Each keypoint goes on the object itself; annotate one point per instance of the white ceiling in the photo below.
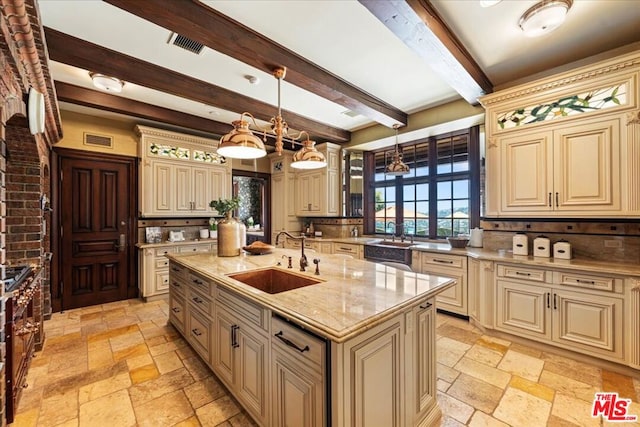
(344, 38)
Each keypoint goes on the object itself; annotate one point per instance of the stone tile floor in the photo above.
(120, 364)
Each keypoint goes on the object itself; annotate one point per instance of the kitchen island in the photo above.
(356, 348)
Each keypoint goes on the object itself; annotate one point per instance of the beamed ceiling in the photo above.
(350, 64)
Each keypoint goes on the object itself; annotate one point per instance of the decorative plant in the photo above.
(225, 205)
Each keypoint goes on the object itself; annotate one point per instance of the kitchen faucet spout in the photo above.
(303, 258)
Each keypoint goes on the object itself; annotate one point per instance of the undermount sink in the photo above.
(273, 280)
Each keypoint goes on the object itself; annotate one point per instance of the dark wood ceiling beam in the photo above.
(199, 22)
(419, 26)
(79, 53)
(116, 104)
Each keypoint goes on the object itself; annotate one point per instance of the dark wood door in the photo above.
(97, 258)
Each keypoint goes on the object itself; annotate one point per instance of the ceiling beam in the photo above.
(199, 22)
(116, 104)
(419, 26)
(79, 53)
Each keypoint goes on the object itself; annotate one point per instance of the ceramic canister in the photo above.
(475, 241)
(562, 250)
(520, 244)
(542, 247)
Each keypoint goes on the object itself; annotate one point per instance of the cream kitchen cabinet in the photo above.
(283, 187)
(180, 174)
(298, 366)
(318, 191)
(454, 299)
(573, 169)
(583, 313)
(154, 266)
(348, 249)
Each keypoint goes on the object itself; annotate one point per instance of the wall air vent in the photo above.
(186, 43)
(98, 140)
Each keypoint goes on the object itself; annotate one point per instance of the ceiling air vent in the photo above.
(98, 140)
(186, 43)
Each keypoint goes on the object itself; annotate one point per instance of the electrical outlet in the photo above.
(612, 243)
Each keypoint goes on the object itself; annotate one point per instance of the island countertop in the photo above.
(353, 295)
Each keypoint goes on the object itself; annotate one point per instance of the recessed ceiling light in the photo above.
(544, 17)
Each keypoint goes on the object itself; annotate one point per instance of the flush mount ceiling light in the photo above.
(544, 17)
(397, 166)
(106, 83)
(489, 3)
(308, 157)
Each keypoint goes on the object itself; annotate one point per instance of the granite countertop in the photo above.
(353, 296)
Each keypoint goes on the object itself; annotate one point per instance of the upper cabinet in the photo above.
(318, 190)
(180, 174)
(566, 146)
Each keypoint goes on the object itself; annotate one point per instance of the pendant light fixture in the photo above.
(241, 143)
(308, 157)
(397, 166)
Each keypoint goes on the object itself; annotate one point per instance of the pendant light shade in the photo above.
(308, 157)
(397, 166)
(241, 143)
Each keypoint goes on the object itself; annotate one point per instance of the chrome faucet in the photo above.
(303, 258)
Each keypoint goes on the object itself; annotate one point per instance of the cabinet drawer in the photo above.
(161, 281)
(161, 263)
(297, 343)
(293, 244)
(177, 312)
(200, 283)
(587, 281)
(253, 313)
(443, 260)
(178, 285)
(163, 251)
(346, 248)
(199, 335)
(522, 273)
(177, 270)
(201, 302)
(194, 248)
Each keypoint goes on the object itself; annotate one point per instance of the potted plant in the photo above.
(232, 233)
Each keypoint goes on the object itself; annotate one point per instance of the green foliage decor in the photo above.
(225, 205)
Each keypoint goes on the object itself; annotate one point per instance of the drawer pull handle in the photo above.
(198, 282)
(588, 282)
(345, 249)
(197, 300)
(290, 343)
(196, 332)
(176, 284)
(175, 310)
(234, 336)
(175, 269)
(555, 302)
(520, 273)
(425, 306)
(166, 263)
(442, 261)
(548, 300)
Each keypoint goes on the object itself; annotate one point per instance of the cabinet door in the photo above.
(316, 192)
(297, 393)
(161, 190)
(251, 379)
(183, 188)
(333, 192)
(376, 379)
(177, 312)
(425, 360)
(303, 186)
(453, 299)
(223, 350)
(587, 166)
(199, 335)
(526, 169)
(523, 309)
(278, 203)
(590, 322)
(473, 288)
(219, 184)
(201, 189)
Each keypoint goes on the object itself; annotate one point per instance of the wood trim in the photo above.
(79, 53)
(266, 221)
(206, 25)
(417, 24)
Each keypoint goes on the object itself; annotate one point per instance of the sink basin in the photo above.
(393, 244)
(273, 280)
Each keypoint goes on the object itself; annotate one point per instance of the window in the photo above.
(438, 198)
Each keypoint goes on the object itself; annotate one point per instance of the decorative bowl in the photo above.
(458, 242)
(258, 249)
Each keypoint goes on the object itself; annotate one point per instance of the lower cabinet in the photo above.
(423, 362)
(455, 298)
(539, 304)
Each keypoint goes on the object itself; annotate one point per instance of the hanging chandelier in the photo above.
(241, 143)
(397, 166)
